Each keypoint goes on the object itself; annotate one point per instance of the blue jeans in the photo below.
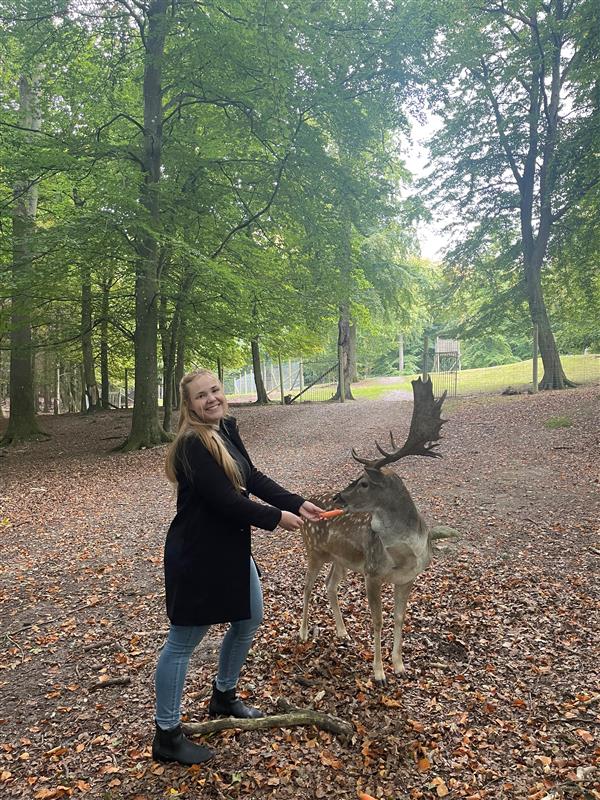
(182, 641)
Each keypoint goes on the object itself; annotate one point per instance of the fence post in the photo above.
(425, 355)
(126, 388)
(341, 371)
(282, 390)
(400, 353)
(535, 356)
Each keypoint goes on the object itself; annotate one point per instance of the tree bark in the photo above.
(180, 358)
(290, 717)
(345, 345)
(23, 424)
(90, 388)
(554, 375)
(104, 375)
(145, 428)
(262, 398)
(352, 360)
(169, 334)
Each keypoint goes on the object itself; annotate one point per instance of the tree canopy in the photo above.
(181, 181)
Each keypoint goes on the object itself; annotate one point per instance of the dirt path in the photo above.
(501, 697)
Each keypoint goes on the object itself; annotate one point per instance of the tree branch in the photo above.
(500, 123)
(291, 718)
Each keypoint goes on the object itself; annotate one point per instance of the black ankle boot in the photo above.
(227, 704)
(171, 745)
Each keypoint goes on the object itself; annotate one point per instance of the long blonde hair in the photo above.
(190, 424)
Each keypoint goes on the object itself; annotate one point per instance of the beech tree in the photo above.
(504, 78)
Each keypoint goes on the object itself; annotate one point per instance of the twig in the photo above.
(16, 644)
(290, 719)
(109, 682)
(52, 619)
(93, 646)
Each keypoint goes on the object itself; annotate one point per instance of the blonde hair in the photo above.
(190, 424)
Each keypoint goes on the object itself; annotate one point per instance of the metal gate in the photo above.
(446, 366)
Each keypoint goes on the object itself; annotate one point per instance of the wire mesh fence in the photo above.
(581, 369)
(320, 389)
(311, 381)
(287, 381)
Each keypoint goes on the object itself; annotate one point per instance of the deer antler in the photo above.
(424, 433)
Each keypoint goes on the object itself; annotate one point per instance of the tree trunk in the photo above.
(352, 364)
(104, 376)
(344, 343)
(535, 246)
(180, 359)
(262, 397)
(169, 340)
(166, 332)
(23, 424)
(145, 428)
(554, 375)
(90, 388)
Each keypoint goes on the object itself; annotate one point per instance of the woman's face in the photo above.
(207, 398)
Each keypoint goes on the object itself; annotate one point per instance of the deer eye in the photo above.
(364, 484)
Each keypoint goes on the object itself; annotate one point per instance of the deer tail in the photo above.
(443, 532)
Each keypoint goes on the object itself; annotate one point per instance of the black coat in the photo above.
(207, 551)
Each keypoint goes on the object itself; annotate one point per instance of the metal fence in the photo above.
(240, 386)
(581, 369)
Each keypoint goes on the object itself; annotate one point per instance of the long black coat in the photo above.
(207, 551)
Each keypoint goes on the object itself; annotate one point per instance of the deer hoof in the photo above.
(380, 682)
(303, 635)
(399, 669)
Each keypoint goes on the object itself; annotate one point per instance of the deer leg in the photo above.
(336, 574)
(312, 570)
(401, 593)
(374, 599)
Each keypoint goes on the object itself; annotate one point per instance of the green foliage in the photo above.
(488, 351)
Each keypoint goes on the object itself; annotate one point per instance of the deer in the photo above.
(381, 535)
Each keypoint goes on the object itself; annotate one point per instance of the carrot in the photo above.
(335, 512)
(363, 796)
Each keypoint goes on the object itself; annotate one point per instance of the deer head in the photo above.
(371, 490)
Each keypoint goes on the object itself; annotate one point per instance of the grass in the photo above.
(558, 422)
(580, 368)
(377, 392)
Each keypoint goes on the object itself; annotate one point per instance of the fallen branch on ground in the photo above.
(289, 719)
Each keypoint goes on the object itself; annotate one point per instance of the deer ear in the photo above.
(374, 475)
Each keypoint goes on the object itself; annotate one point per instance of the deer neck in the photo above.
(400, 546)
(398, 514)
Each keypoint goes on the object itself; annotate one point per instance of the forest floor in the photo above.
(501, 698)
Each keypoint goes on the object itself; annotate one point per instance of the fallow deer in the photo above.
(384, 537)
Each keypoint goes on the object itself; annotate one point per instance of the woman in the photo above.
(210, 576)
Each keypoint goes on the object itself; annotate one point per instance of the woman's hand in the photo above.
(310, 511)
(290, 522)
